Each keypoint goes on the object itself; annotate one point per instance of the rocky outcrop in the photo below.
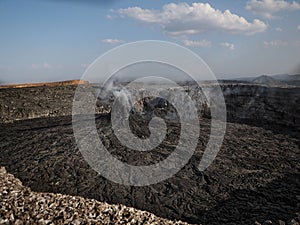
(245, 102)
(39, 102)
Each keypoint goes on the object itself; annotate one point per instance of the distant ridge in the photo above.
(48, 84)
(268, 80)
(280, 79)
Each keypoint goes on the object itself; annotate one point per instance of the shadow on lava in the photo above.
(292, 132)
(279, 200)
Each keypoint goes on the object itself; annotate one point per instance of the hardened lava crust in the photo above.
(254, 179)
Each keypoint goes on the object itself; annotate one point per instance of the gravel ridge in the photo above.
(19, 205)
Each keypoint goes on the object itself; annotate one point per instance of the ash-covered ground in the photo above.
(255, 178)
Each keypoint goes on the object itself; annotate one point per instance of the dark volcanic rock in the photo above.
(245, 103)
(263, 105)
(255, 176)
(40, 102)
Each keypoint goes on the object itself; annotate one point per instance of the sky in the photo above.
(50, 40)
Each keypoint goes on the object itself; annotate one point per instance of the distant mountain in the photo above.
(279, 79)
(268, 80)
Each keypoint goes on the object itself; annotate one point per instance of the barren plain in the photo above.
(255, 178)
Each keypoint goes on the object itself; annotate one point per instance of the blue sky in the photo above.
(48, 40)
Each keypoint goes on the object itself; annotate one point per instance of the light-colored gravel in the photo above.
(20, 205)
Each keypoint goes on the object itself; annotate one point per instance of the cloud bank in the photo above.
(275, 43)
(267, 8)
(201, 44)
(183, 19)
(112, 41)
(230, 46)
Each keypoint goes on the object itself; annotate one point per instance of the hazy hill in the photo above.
(268, 80)
(279, 79)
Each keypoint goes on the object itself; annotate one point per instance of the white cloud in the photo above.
(298, 28)
(267, 8)
(112, 41)
(184, 19)
(34, 66)
(275, 43)
(202, 44)
(228, 45)
(45, 65)
(278, 29)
